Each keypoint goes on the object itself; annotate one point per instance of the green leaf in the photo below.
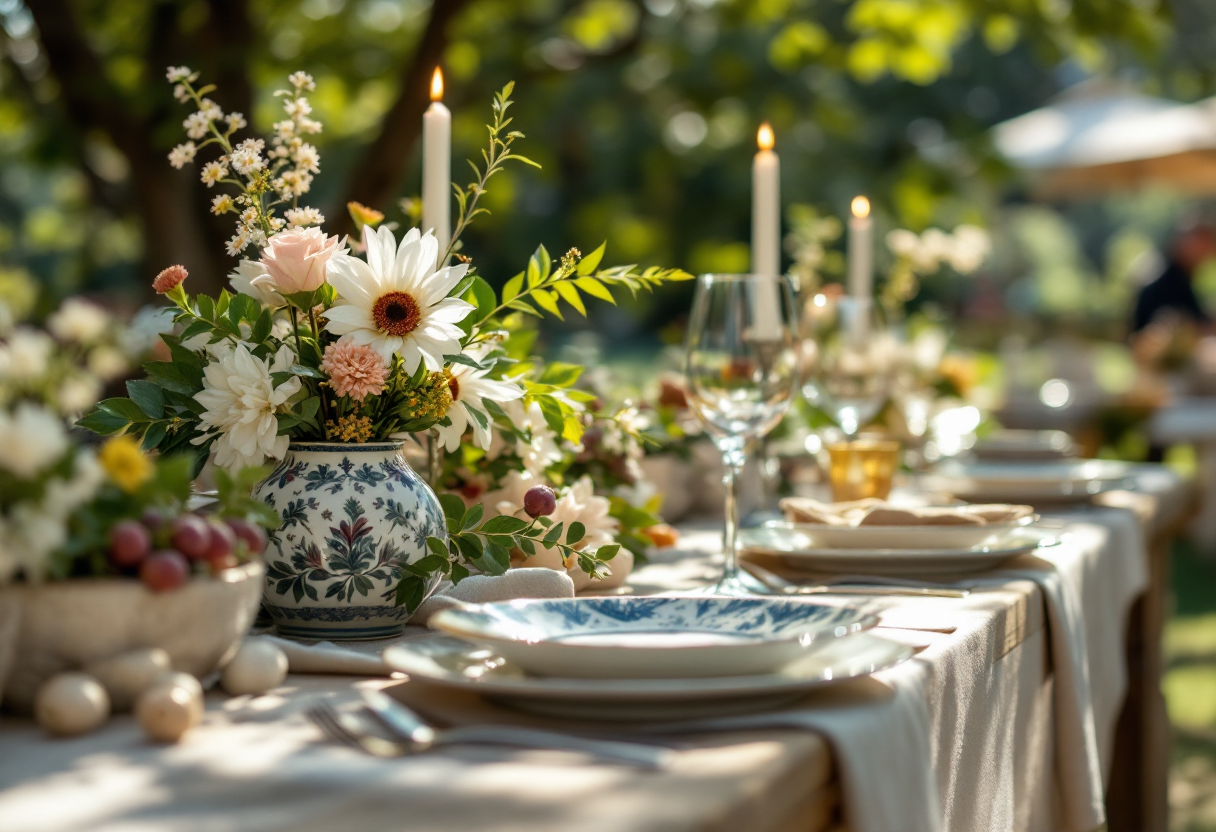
(511, 290)
(552, 536)
(102, 422)
(262, 327)
(607, 551)
(526, 545)
(546, 299)
(243, 308)
(462, 358)
(459, 573)
(411, 591)
(154, 435)
(552, 411)
(481, 295)
(575, 533)
(517, 158)
(497, 559)
(570, 295)
(125, 408)
(469, 546)
(196, 328)
(206, 307)
(453, 506)
(594, 288)
(307, 372)
(591, 262)
(461, 287)
(472, 517)
(504, 524)
(533, 272)
(148, 395)
(560, 374)
(438, 546)
(524, 306)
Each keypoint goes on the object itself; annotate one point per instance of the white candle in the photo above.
(437, 166)
(766, 233)
(766, 206)
(861, 254)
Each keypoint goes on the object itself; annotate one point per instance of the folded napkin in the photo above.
(327, 658)
(486, 589)
(873, 512)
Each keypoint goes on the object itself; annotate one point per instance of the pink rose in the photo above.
(295, 260)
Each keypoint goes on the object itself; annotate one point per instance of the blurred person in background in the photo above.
(1172, 294)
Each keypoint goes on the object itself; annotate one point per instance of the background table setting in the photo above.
(350, 552)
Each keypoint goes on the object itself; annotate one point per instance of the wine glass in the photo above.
(742, 367)
(848, 359)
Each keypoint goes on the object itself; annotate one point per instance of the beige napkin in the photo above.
(486, 589)
(879, 513)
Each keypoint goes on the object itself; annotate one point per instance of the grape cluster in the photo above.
(163, 550)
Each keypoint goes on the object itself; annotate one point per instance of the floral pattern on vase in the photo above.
(350, 514)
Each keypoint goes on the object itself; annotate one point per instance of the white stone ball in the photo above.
(129, 674)
(257, 667)
(71, 703)
(166, 711)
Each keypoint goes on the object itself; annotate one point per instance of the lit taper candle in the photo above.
(861, 254)
(766, 205)
(437, 166)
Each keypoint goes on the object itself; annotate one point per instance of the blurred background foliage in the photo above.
(643, 115)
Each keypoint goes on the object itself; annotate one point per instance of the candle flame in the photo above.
(764, 137)
(437, 85)
(861, 206)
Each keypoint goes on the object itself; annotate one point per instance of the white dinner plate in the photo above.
(822, 536)
(637, 637)
(1060, 481)
(452, 663)
(798, 552)
(1024, 445)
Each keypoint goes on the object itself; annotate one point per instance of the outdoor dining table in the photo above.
(982, 693)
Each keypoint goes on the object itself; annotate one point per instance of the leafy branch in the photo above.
(486, 546)
(495, 158)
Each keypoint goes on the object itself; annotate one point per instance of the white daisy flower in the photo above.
(242, 404)
(182, 155)
(396, 302)
(247, 157)
(222, 204)
(469, 387)
(238, 243)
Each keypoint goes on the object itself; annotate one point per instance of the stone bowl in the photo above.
(66, 625)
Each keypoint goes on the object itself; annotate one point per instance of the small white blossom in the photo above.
(285, 129)
(276, 223)
(78, 320)
(196, 125)
(182, 155)
(109, 362)
(293, 183)
(26, 357)
(177, 73)
(238, 243)
(301, 81)
(213, 172)
(249, 216)
(32, 438)
(78, 393)
(308, 125)
(181, 93)
(211, 110)
(297, 107)
(222, 204)
(235, 121)
(307, 158)
(247, 158)
(299, 217)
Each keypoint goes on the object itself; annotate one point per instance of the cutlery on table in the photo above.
(853, 585)
(413, 736)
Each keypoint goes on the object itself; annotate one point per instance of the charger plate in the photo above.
(451, 663)
(799, 552)
(1060, 481)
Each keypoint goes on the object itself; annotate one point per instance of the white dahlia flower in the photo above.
(396, 302)
(78, 320)
(242, 404)
(241, 279)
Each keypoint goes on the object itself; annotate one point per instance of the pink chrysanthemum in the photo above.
(170, 278)
(354, 370)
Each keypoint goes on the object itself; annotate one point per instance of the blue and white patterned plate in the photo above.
(651, 637)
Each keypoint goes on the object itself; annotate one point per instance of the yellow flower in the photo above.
(126, 464)
(362, 215)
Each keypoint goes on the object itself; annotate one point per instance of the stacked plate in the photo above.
(896, 550)
(1036, 482)
(646, 657)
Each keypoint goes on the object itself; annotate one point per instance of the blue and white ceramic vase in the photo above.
(350, 513)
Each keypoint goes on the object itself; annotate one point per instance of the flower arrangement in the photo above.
(317, 343)
(918, 255)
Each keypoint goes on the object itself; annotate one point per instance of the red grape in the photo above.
(540, 501)
(130, 543)
(191, 536)
(253, 535)
(223, 541)
(220, 564)
(164, 570)
(153, 519)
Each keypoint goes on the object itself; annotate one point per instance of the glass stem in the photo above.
(733, 457)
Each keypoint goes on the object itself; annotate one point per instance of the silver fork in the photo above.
(344, 728)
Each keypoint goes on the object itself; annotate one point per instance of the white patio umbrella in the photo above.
(1097, 139)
